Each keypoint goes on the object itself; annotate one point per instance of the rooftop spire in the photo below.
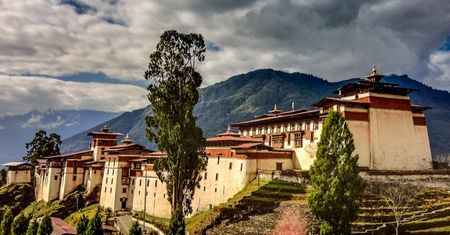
(229, 129)
(374, 76)
(275, 110)
(293, 106)
(127, 140)
(105, 129)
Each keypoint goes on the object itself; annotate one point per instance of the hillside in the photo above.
(17, 130)
(243, 96)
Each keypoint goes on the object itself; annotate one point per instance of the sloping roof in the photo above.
(331, 100)
(15, 163)
(104, 133)
(248, 145)
(232, 138)
(61, 227)
(280, 117)
(87, 152)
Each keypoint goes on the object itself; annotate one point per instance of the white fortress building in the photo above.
(389, 132)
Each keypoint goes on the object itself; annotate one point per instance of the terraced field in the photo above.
(428, 214)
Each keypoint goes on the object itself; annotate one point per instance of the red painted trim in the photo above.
(356, 116)
(389, 103)
(419, 121)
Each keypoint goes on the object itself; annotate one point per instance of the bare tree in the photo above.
(399, 198)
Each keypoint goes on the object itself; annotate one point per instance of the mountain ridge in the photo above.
(243, 96)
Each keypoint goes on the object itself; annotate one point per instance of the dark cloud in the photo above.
(79, 7)
(333, 39)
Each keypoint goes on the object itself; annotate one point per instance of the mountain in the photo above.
(17, 130)
(243, 96)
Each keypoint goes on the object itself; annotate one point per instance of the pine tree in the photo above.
(135, 229)
(19, 225)
(95, 225)
(41, 146)
(82, 225)
(32, 228)
(338, 188)
(45, 227)
(173, 93)
(5, 227)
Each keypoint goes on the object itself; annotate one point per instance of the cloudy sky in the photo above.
(77, 54)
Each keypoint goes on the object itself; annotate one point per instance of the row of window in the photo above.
(313, 125)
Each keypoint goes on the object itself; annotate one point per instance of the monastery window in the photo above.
(105, 189)
(279, 166)
(112, 171)
(56, 177)
(107, 171)
(230, 166)
(298, 138)
(124, 190)
(242, 164)
(164, 196)
(154, 194)
(156, 183)
(217, 176)
(95, 172)
(218, 159)
(277, 140)
(206, 175)
(106, 182)
(307, 126)
(140, 182)
(215, 190)
(132, 182)
(112, 181)
(139, 192)
(74, 178)
(204, 189)
(289, 138)
(110, 190)
(148, 183)
(315, 125)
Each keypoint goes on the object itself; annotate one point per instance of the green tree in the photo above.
(19, 225)
(5, 227)
(45, 227)
(41, 146)
(135, 229)
(32, 228)
(173, 93)
(2, 177)
(82, 225)
(338, 188)
(95, 224)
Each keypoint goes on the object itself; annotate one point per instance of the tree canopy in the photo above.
(45, 227)
(82, 225)
(135, 229)
(337, 186)
(173, 93)
(5, 227)
(32, 227)
(19, 225)
(95, 224)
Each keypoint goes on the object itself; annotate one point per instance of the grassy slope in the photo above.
(89, 211)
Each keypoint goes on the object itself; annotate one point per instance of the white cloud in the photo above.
(333, 39)
(20, 94)
(36, 121)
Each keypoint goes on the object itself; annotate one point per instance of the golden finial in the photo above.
(229, 129)
(374, 76)
(105, 128)
(275, 107)
(127, 140)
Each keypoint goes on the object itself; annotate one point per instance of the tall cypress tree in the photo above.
(82, 225)
(173, 93)
(45, 227)
(338, 188)
(32, 228)
(5, 227)
(19, 225)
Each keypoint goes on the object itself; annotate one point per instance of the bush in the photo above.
(326, 229)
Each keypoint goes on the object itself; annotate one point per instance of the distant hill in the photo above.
(17, 130)
(243, 96)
